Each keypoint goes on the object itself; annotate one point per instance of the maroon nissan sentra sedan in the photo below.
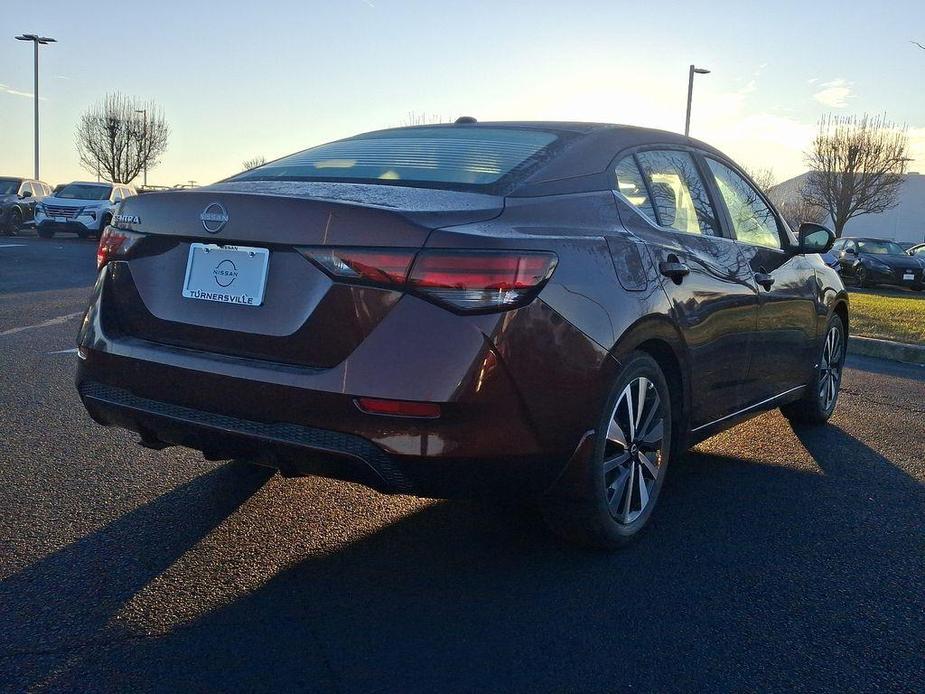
(544, 310)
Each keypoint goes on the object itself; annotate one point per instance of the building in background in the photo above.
(905, 222)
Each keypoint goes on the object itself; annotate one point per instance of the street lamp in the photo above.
(144, 142)
(36, 40)
(690, 94)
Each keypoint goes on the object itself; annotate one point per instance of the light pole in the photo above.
(36, 40)
(144, 142)
(690, 94)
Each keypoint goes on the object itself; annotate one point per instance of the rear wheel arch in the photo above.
(661, 339)
(841, 310)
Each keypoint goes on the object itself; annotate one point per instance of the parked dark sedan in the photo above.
(544, 310)
(874, 261)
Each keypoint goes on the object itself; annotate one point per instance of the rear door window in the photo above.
(678, 192)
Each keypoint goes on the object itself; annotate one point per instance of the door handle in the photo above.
(674, 269)
(764, 279)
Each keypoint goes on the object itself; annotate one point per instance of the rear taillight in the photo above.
(472, 281)
(114, 243)
(463, 281)
(383, 267)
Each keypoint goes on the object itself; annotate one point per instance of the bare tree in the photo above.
(415, 118)
(253, 162)
(120, 136)
(797, 209)
(857, 166)
(918, 44)
(763, 178)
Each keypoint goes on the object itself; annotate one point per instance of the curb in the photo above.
(886, 349)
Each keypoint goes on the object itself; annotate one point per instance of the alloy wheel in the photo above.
(830, 367)
(633, 450)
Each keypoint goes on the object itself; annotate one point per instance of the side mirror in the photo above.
(850, 251)
(815, 238)
(25, 194)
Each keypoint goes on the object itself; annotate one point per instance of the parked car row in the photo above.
(82, 208)
(870, 262)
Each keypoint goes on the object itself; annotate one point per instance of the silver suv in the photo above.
(80, 208)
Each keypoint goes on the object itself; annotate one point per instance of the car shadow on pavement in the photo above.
(63, 602)
(752, 576)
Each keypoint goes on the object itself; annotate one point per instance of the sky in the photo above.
(242, 79)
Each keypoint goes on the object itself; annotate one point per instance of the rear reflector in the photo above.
(399, 408)
(463, 281)
(114, 243)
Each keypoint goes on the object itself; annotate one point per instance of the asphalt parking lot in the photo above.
(776, 560)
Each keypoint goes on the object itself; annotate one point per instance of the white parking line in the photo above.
(12, 245)
(65, 351)
(43, 324)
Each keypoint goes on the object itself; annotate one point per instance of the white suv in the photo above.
(80, 208)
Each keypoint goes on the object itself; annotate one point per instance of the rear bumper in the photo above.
(513, 407)
(299, 450)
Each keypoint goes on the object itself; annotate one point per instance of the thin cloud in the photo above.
(4, 89)
(834, 94)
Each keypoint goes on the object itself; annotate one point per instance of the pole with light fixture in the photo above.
(144, 142)
(690, 94)
(36, 40)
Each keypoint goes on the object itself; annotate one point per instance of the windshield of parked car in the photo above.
(9, 186)
(80, 191)
(881, 247)
(453, 157)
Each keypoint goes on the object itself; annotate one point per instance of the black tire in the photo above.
(582, 513)
(84, 234)
(814, 408)
(45, 233)
(13, 223)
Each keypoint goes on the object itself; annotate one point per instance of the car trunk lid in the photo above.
(305, 317)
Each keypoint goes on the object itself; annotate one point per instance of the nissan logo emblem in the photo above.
(213, 218)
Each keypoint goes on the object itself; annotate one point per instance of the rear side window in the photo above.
(752, 219)
(632, 187)
(450, 157)
(678, 192)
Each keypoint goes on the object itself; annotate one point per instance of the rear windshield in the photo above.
(77, 191)
(451, 157)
